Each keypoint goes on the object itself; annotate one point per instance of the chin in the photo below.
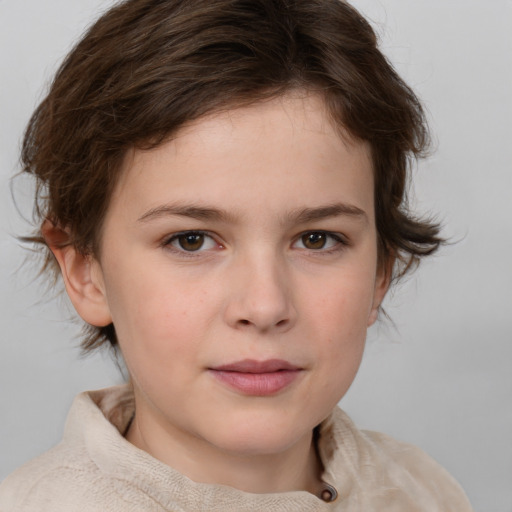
(258, 436)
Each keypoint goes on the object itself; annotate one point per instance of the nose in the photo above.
(260, 295)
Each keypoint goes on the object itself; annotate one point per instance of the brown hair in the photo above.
(148, 66)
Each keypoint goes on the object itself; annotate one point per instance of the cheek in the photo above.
(158, 318)
(344, 306)
(340, 324)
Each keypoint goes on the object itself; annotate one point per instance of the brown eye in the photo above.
(191, 241)
(324, 242)
(314, 240)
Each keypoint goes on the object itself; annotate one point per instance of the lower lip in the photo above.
(257, 384)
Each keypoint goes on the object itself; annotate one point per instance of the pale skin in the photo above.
(249, 235)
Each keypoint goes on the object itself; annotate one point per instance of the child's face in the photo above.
(249, 238)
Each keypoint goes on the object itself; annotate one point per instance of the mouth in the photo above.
(257, 378)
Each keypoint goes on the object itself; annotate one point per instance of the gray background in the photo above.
(441, 377)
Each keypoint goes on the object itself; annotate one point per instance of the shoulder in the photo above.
(57, 474)
(70, 476)
(389, 471)
(420, 470)
(63, 480)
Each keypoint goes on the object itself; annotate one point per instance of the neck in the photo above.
(297, 468)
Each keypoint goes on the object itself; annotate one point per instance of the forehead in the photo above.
(283, 152)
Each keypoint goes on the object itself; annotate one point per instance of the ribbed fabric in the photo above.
(94, 469)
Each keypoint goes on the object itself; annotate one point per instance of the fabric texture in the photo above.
(96, 469)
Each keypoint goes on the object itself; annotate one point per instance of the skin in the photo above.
(256, 289)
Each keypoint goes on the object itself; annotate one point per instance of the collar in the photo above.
(99, 419)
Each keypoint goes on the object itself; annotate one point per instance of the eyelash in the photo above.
(167, 243)
(340, 242)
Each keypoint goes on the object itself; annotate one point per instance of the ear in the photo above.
(82, 276)
(382, 282)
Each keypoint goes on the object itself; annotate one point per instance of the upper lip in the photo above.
(253, 366)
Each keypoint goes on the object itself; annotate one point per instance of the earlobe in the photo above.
(82, 277)
(382, 283)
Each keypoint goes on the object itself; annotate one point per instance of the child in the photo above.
(221, 186)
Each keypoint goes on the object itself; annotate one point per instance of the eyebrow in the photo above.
(187, 210)
(298, 216)
(306, 215)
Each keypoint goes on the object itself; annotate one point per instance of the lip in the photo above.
(257, 378)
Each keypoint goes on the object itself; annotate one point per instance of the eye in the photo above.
(319, 240)
(191, 241)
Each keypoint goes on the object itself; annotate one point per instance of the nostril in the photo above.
(281, 323)
(245, 322)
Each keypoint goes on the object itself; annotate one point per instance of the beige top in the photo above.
(95, 469)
